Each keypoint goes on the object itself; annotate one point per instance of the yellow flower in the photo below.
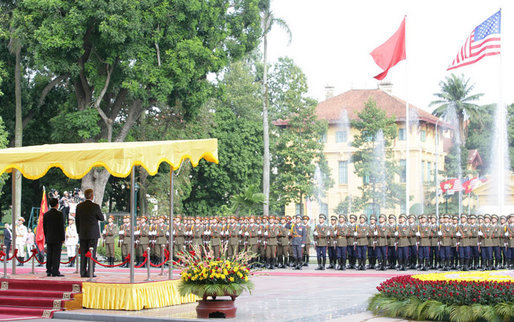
(488, 276)
(225, 272)
(223, 276)
(246, 278)
(236, 268)
(231, 279)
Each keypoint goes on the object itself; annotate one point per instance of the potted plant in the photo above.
(210, 278)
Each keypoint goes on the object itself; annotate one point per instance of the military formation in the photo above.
(483, 242)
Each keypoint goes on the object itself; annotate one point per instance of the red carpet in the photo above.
(32, 298)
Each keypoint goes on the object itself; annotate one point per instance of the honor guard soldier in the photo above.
(372, 242)
(503, 242)
(124, 234)
(463, 234)
(480, 223)
(381, 234)
(361, 237)
(308, 242)
(423, 234)
(197, 234)
(178, 236)
(321, 233)
(252, 237)
(161, 229)
(216, 238)
(352, 258)
(403, 234)
(392, 242)
(144, 240)
(283, 244)
(233, 239)
(332, 256)
(474, 255)
(509, 234)
(497, 243)
(341, 233)
(435, 258)
(413, 255)
(110, 231)
(486, 235)
(272, 242)
(446, 232)
(298, 238)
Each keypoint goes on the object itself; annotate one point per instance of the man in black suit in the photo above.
(53, 227)
(7, 239)
(88, 214)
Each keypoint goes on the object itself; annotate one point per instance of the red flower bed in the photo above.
(448, 292)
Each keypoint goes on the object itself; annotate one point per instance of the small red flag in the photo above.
(40, 234)
(391, 52)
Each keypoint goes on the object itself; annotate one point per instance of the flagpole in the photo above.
(407, 123)
(502, 136)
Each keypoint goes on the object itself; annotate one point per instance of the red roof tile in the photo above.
(353, 102)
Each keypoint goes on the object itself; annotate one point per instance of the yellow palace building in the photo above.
(426, 150)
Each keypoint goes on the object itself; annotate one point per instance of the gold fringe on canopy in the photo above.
(77, 159)
(132, 297)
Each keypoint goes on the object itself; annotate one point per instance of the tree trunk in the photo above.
(265, 128)
(18, 128)
(96, 179)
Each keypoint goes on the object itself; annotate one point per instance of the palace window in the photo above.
(343, 172)
(324, 138)
(423, 135)
(341, 136)
(401, 134)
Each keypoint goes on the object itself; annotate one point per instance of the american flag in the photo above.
(484, 41)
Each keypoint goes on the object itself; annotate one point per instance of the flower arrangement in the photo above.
(208, 276)
(433, 297)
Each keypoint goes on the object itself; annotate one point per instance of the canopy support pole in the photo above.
(172, 192)
(13, 221)
(132, 222)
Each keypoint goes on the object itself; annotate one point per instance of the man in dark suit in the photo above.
(53, 227)
(88, 214)
(7, 239)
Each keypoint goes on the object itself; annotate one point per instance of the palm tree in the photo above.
(457, 92)
(267, 22)
(247, 201)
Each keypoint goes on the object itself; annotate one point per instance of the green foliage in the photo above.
(412, 308)
(75, 126)
(295, 148)
(371, 121)
(248, 201)
(457, 92)
(202, 290)
(236, 122)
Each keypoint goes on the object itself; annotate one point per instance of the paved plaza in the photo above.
(279, 295)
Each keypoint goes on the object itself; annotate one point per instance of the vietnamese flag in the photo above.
(391, 52)
(40, 234)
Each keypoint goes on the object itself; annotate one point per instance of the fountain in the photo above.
(451, 118)
(319, 185)
(499, 168)
(344, 125)
(379, 171)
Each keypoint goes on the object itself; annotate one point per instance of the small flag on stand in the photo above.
(391, 52)
(40, 234)
(484, 40)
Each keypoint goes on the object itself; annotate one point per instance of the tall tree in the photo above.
(236, 122)
(268, 20)
(457, 92)
(125, 57)
(296, 147)
(379, 172)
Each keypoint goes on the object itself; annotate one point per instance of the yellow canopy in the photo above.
(77, 159)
